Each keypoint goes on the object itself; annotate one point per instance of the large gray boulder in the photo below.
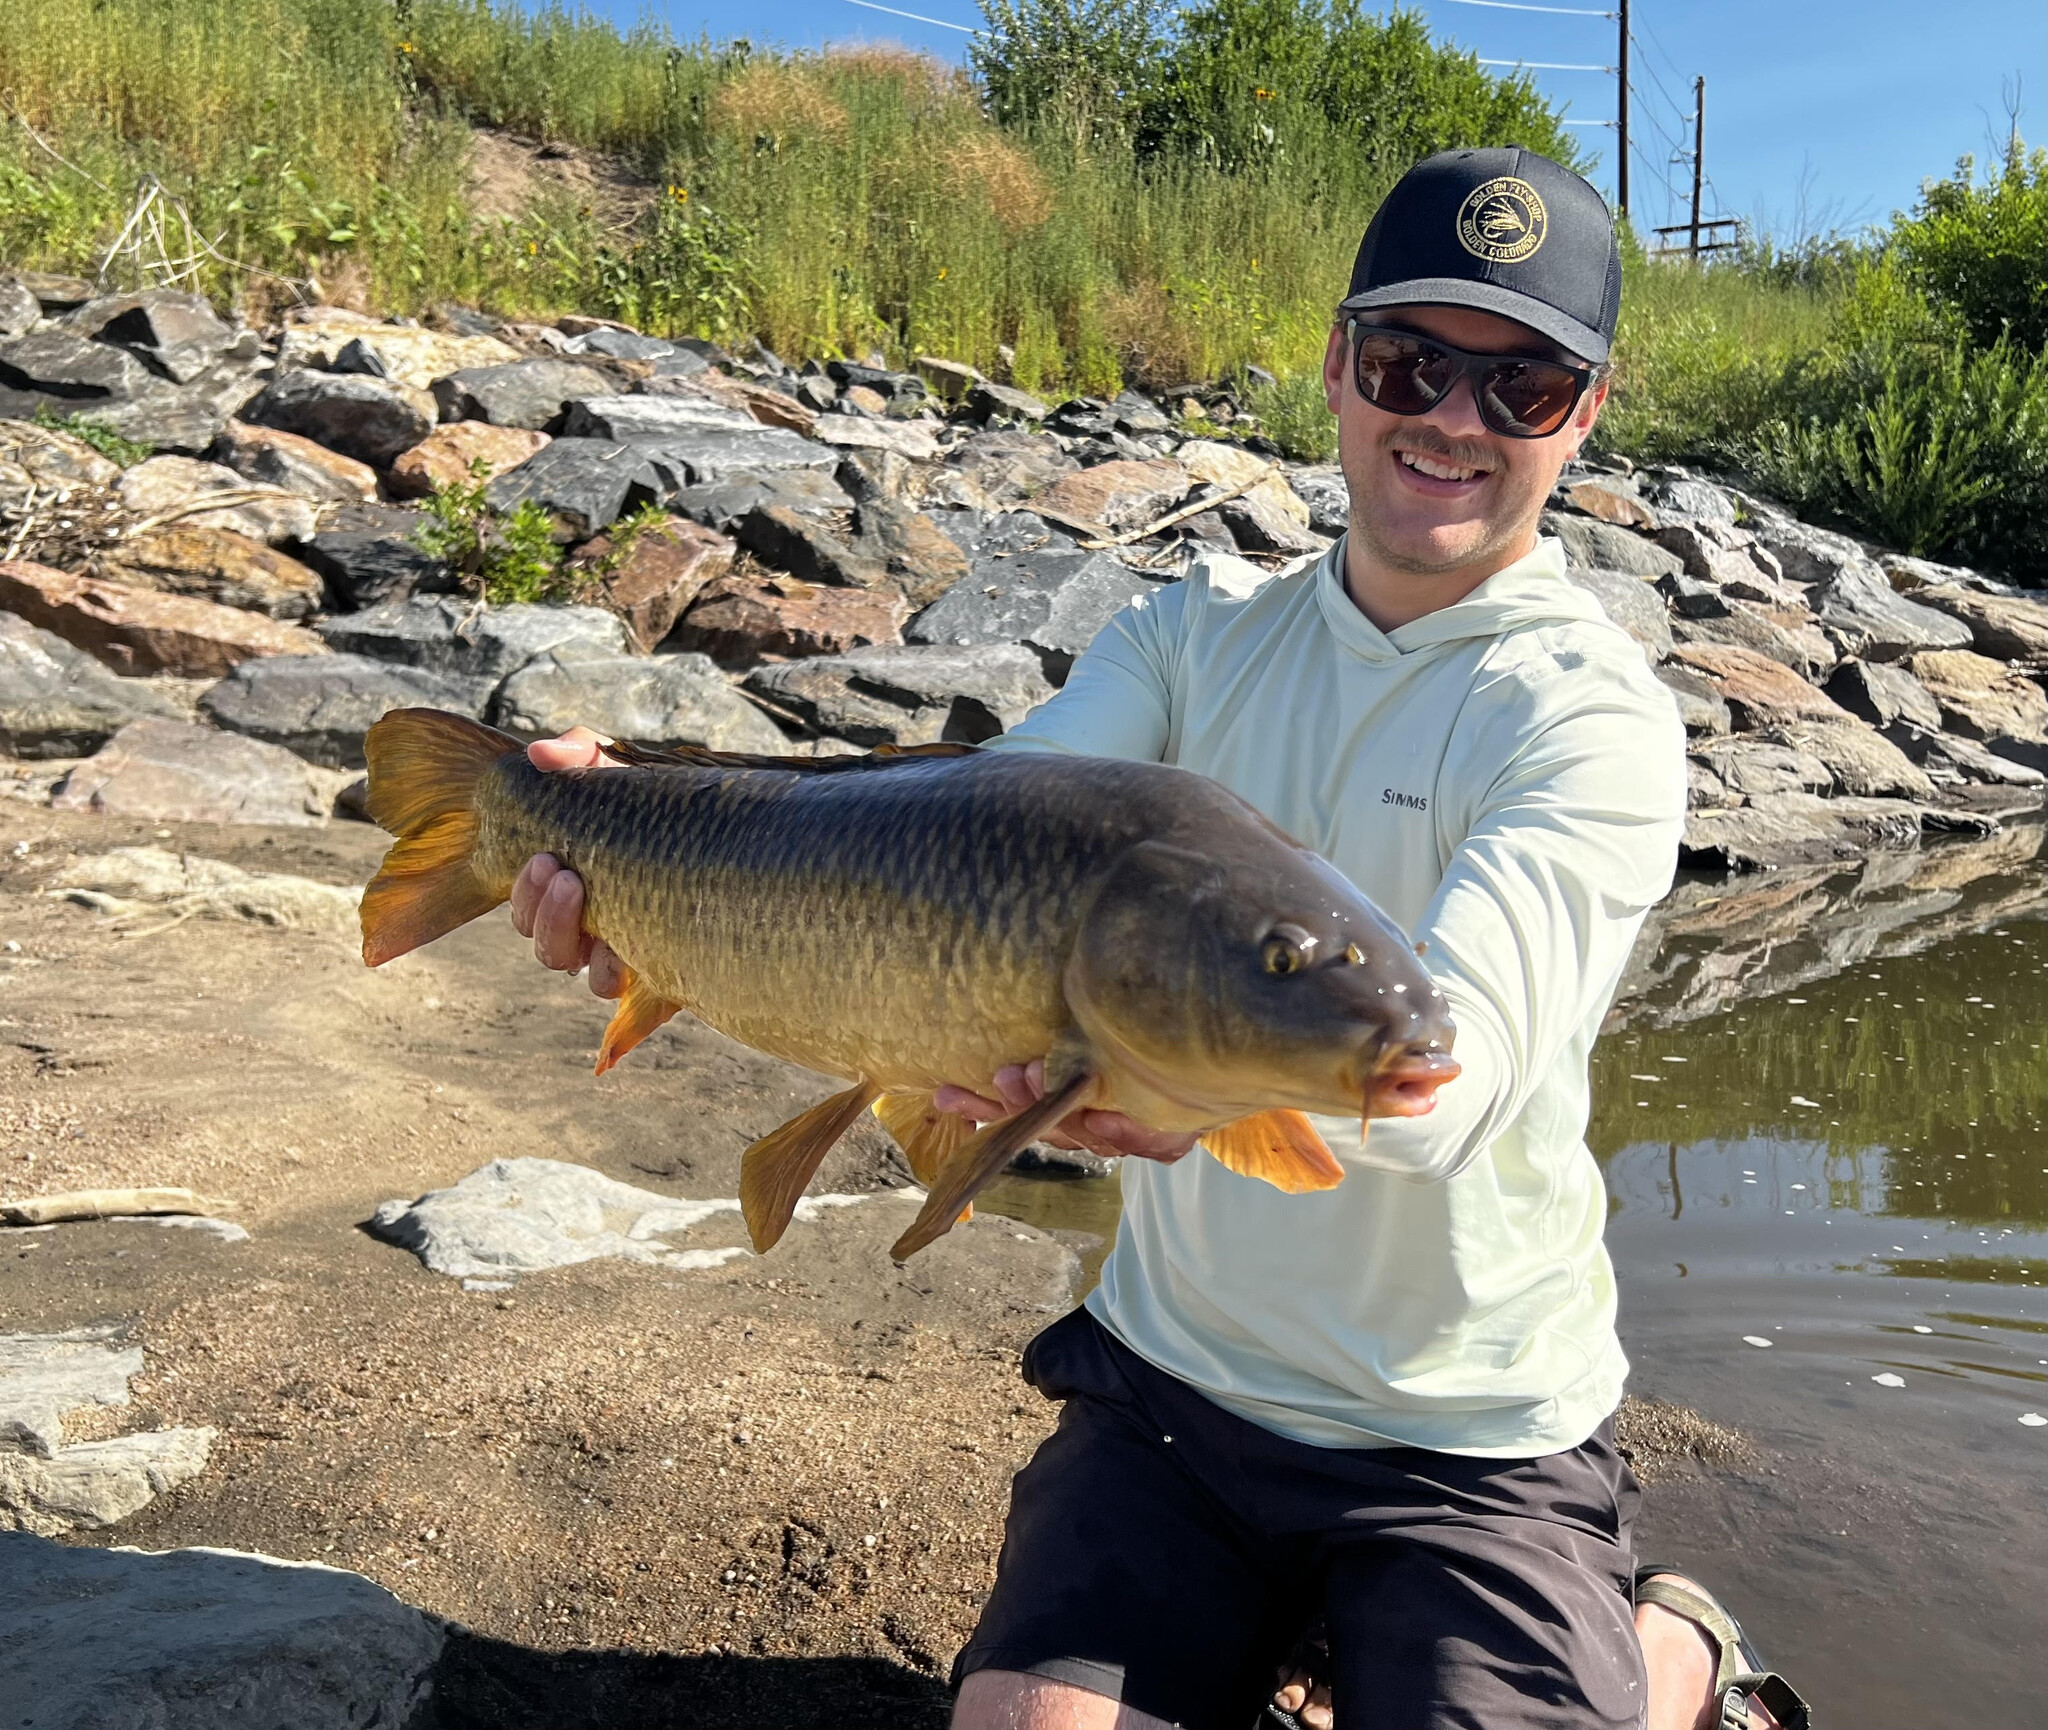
(444, 634)
(62, 372)
(657, 700)
(1866, 617)
(369, 553)
(176, 334)
(1862, 763)
(533, 394)
(1602, 546)
(1701, 708)
(638, 417)
(915, 694)
(712, 455)
(1881, 695)
(172, 772)
(58, 701)
(1327, 496)
(1052, 601)
(1633, 604)
(320, 706)
(120, 1639)
(587, 484)
(721, 504)
(373, 420)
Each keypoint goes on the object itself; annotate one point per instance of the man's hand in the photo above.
(547, 901)
(1109, 1133)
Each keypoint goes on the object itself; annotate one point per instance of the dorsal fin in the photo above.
(702, 757)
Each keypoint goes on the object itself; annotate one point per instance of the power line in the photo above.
(1514, 6)
(915, 17)
(1532, 65)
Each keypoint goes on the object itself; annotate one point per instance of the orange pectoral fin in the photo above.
(1280, 1147)
(641, 1010)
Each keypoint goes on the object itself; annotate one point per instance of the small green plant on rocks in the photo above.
(110, 444)
(503, 559)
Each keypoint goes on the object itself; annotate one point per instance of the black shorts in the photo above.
(1168, 1554)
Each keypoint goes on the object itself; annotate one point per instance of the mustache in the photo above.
(1426, 441)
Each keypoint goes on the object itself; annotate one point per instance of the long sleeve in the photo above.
(1117, 701)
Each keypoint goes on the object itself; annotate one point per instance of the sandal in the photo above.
(1311, 1658)
(1741, 1676)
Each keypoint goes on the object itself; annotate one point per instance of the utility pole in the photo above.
(1699, 156)
(1621, 117)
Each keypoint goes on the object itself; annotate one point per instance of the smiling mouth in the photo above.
(1437, 468)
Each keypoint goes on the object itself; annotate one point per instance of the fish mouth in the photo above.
(1407, 1086)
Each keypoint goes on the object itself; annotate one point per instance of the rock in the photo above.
(179, 335)
(61, 366)
(1866, 617)
(1800, 828)
(1602, 546)
(637, 417)
(586, 484)
(56, 700)
(533, 394)
(849, 432)
(910, 695)
(1690, 598)
(1790, 639)
(650, 582)
(1327, 496)
(54, 460)
(1909, 575)
(1227, 466)
(43, 1376)
(518, 1216)
(1744, 768)
(709, 457)
(1979, 698)
(55, 293)
(721, 504)
(1634, 605)
(320, 706)
(1612, 503)
(2003, 627)
(1726, 557)
(742, 619)
(989, 401)
(658, 700)
(444, 634)
(950, 379)
(859, 399)
(1862, 763)
(452, 455)
(1692, 498)
(1010, 465)
(98, 1483)
(619, 344)
(217, 565)
(369, 554)
(1881, 694)
(1952, 760)
(1805, 553)
(1700, 706)
(1270, 519)
(807, 548)
(1759, 691)
(295, 463)
(1052, 601)
(919, 557)
(169, 487)
(373, 420)
(410, 354)
(136, 631)
(852, 375)
(19, 310)
(138, 876)
(196, 1639)
(1138, 415)
(1116, 495)
(866, 474)
(761, 404)
(172, 772)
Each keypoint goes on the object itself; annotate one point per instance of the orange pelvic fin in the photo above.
(775, 1171)
(1282, 1147)
(641, 1010)
(929, 1137)
(424, 768)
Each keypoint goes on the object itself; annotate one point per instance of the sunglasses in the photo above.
(1518, 397)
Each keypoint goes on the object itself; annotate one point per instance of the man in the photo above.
(1387, 1405)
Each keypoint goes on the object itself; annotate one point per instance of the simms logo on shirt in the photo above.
(1408, 801)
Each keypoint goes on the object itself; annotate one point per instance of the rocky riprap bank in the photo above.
(846, 556)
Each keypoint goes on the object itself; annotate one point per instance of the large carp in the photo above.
(908, 920)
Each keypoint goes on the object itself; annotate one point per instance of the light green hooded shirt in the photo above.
(1505, 778)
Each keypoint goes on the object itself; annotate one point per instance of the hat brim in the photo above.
(1581, 339)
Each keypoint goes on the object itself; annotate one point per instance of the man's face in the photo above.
(1441, 491)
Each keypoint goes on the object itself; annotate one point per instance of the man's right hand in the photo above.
(547, 899)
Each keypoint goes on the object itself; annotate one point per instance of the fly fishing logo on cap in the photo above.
(1502, 220)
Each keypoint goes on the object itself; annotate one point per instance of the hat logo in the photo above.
(1502, 220)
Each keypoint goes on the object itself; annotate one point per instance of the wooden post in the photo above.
(1621, 118)
(1699, 150)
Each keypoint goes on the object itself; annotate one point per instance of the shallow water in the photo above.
(1820, 1111)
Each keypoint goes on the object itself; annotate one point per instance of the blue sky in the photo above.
(1830, 109)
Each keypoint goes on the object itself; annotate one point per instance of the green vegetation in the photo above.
(110, 444)
(500, 558)
(1120, 193)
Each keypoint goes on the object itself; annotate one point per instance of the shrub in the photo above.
(502, 559)
(1981, 251)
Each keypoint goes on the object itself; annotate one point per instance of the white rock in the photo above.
(43, 1376)
(109, 1639)
(98, 1483)
(851, 432)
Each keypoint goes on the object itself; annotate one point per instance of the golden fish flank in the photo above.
(909, 920)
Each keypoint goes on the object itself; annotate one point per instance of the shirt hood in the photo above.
(1534, 590)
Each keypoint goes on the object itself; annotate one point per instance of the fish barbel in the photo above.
(910, 920)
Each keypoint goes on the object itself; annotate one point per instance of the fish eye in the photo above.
(1286, 949)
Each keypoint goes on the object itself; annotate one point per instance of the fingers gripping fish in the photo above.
(909, 920)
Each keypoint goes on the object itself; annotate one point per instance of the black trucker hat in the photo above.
(1505, 231)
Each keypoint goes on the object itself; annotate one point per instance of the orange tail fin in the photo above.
(424, 769)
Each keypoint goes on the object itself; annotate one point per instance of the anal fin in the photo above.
(1280, 1147)
(776, 1170)
(929, 1137)
(641, 1010)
